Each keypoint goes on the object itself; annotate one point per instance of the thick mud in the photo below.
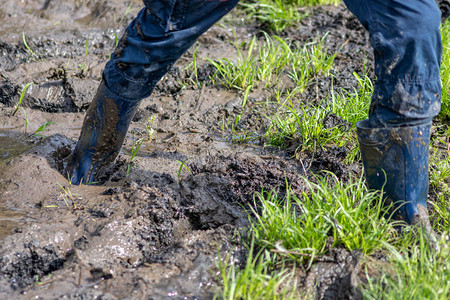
(157, 232)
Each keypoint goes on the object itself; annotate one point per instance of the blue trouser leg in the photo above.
(159, 35)
(154, 40)
(407, 48)
(394, 140)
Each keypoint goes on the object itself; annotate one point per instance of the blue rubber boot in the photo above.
(104, 128)
(396, 160)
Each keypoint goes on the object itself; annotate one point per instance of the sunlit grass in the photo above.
(445, 70)
(419, 273)
(278, 15)
(439, 170)
(313, 2)
(306, 125)
(263, 62)
(347, 212)
(310, 61)
(441, 217)
(439, 181)
(352, 106)
(300, 228)
(256, 280)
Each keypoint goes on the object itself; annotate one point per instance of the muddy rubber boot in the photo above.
(396, 160)
(104, 128)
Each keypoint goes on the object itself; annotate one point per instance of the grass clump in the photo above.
(439, 170)
(352, 106)
(445, 70)
(306, 125)
(262, 64)
(439, 175)
(310, 61)
(277, 15)
(237, 75)
(313, 2)
(265, 61)
(137, 143)
(353, 216)
(255, 280)
(441, 217)
(420, 274)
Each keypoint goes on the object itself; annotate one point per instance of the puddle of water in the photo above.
(219, 140)
(9, 220)
(225, 142)
(11, 147)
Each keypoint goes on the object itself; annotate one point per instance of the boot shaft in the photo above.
(396, 161)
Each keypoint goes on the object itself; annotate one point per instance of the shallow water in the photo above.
(9, 220)
(11, 147)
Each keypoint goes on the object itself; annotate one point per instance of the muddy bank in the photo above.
(150, 227)
(158, 231)
(149, 233)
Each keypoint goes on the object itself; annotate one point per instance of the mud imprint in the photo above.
(158, 232)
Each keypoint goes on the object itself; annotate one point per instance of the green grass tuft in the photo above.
(256, 280)
(278, 15)
(267, 60)
(347, 212)
(420, 274)
(306, 125)
(352, 106)
(445, 70)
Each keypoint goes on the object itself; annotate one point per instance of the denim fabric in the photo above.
(155, 39)
(404, 34)
(407, 46)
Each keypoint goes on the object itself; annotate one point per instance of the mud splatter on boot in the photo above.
(102, 135)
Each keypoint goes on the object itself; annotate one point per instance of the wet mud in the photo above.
(157, 231)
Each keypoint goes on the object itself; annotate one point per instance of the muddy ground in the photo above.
(158, 231)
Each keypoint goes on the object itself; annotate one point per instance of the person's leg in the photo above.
(394, 140)
(159, 35)
(154, 40)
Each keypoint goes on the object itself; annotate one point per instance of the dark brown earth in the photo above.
(156, 232)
